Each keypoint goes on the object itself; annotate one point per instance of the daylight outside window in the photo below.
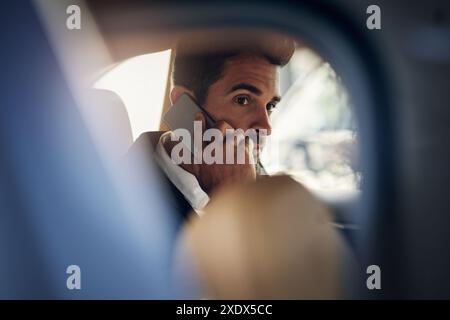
(314, 127)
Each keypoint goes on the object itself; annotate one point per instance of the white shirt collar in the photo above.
(186, 182)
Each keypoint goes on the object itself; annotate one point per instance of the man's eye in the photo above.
(270, 106)
(242, 100)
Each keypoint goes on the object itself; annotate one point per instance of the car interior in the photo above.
(351, 128)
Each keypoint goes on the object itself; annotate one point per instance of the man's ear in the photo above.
(177, 91)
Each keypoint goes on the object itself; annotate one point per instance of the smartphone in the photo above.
(182, 114)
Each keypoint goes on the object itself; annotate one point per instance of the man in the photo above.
(236, 82)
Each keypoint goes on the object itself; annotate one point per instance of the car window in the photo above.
(141, 83)
(314, 127)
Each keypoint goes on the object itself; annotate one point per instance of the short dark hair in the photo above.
(197, 71)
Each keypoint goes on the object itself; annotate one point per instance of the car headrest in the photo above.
(108, 121)
(277, 242)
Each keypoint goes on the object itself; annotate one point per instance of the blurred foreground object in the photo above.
(267, 240)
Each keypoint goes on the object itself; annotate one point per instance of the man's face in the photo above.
(246, 94)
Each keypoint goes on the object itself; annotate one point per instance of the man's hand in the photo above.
(214, 176)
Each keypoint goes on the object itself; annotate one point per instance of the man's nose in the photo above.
(262, 121)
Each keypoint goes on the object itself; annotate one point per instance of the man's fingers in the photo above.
(234, 140)
(199, 116)
(230, 135)
(222, 126)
